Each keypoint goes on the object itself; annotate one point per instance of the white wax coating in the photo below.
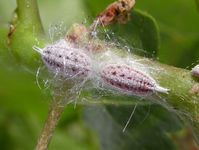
(195, 71)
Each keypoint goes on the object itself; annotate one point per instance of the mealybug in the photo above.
(129, 80)
(65, 60)
(195, 71)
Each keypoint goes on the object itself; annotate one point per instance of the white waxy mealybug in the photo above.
(129, 80)
(65, 60)
(195, 71)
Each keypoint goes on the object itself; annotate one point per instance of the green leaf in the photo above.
(145, 117)
(192, 56)
(141, 32)
(147, 129)
(178, 25)
(20, 130)
(197, 4)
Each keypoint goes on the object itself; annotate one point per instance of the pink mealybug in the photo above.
(129, 80)
(65, 60)
(195, 71)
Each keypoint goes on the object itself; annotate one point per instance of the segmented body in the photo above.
(130, 80)
(66, 61)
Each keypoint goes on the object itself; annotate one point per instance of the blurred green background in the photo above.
(24, 107)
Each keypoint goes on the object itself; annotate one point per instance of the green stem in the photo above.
(26, 31)
(28, 14)
(183, 96)
(180, 83)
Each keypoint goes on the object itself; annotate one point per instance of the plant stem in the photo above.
(26, 30)
(183, 97)
(28, 14)
(54, 116)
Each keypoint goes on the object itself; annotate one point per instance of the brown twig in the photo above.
(54, 116)
(117, 12)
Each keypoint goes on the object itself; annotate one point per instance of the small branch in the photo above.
(54, 116)
(117, 12)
